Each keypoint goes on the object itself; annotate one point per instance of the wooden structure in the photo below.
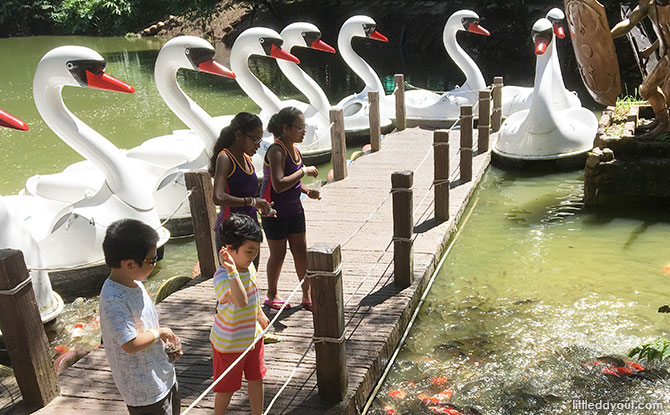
(441, 174)
(199, 183)
(354, 213)
(496, 92)
(466, 143)
(375, 121)
(338, 144)
(400, 118)
(403, 228)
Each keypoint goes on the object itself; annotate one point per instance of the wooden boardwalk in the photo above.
(356, 213)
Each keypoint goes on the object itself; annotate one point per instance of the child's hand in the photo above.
(312, 171)
(227, 260)
(165, 334)
(263, 320)
(314, 194)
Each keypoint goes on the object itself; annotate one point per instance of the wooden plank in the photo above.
(203, 214)
(338, 144)
(400, 119)
(375, 121)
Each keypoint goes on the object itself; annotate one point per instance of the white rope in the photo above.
(244, 353)
(188, 194)
(312, 274)
(317, 339)
(18, 287)
(288, 380)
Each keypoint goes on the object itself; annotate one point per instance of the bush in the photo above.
(25, 17)
(93, 16)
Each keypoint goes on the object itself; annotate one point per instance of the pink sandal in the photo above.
(276, 304)
(307, 305)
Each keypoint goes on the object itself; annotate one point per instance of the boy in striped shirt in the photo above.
(239, 317)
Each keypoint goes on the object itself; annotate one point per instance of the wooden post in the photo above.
(400, 102)
(466, 143)
(338, 144)
(328, 315)
(23, 333)
(483, 127)
(203, 214)
(496, 115)
(441, 173)
(403, 227)
(375, 121)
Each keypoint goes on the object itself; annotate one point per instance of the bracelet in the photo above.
(304, 171)
(155, 333)
(246, 201)
(233, 275)
(253, 201)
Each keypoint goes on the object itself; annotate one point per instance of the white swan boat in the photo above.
(424, 107)
(517, 98)
(163, 160)
(15, 235)
(69, 233)
(356, 106)
(267, 42)
(544, 133)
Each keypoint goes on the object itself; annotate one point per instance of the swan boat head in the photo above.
(264, 42)
(192, 53)
(556, 17)
(7, 120)
(464, 21)
(365, 27)
(305, 35)
(543, 36)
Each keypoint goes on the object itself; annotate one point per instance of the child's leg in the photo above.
(255, 389)
(221, 402)
(275, 262)
(298, 244)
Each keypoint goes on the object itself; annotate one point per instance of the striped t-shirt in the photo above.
(234, 327)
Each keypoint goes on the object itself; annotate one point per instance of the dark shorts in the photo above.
(170, 405)
(277, 229)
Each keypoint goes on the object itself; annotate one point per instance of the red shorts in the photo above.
(253, 365)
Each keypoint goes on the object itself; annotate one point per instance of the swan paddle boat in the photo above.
(517, 98)
(267, 42)
(163, 159)
(15, 235)
(68, 233)
(356, 107)
(544, 134)
(424, 107)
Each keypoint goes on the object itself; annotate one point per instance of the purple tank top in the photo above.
(287, 203)
(240, 183)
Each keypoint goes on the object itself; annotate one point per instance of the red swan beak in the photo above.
(476, 28)
(107, 82)
(10, 121)
(378, 36)
(559, 31)
(321, 45)
(281, 53)
(541, 45)
(215, 68)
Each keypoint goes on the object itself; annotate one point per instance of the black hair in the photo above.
(237, 228)
(286, 116)
(128, 239)
(244, 122)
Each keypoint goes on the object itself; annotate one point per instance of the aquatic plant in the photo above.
(658, 349)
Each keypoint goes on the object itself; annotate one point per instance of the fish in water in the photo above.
(612, 365)
(450, 409)
(67, 359)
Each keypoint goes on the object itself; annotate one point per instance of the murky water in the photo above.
(535, 287)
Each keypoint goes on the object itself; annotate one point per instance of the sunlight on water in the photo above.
(534, 288)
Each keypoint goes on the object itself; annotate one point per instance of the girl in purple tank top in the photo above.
(282, 173)
(235, 180)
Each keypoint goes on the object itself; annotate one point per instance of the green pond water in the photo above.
(534, 287)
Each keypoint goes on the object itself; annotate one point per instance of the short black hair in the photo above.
(285, 116)
(128, 239)
(237, 228)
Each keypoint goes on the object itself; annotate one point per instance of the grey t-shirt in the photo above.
(147, 376)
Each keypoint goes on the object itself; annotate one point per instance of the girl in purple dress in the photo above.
(282, 173)
(235, 180)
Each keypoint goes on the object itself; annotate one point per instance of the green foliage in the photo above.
(25, 17)
(92, 16)
(658, 349)
(623, 106)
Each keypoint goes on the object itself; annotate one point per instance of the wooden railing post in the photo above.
(496, 115)
(400, 122)
(403, 227)
(441, 173)
(483, 126)
(338, 144)
(466, 143)
(325, 273)
(375, 121)
(23, 333)
(203, 214)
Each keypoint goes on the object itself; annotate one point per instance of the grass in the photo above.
(623, 106)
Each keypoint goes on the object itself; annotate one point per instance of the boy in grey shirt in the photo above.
(132, 336)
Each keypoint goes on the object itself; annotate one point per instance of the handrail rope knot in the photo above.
(18, 287)
(314, 273)
(318, 339)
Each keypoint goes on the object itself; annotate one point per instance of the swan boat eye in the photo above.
(467, 21)
(368, 28)
(78, 69)
(311, 37)
(268, 42)
(199, 55)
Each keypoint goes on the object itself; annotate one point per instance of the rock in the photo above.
(594, 158)
(608, 155)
